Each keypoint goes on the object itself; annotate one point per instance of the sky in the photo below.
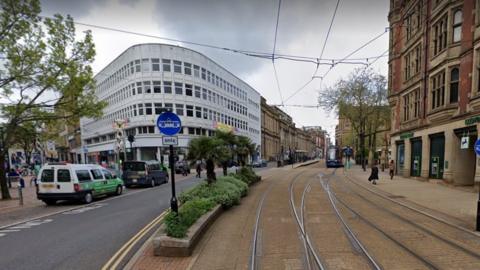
(246, 25)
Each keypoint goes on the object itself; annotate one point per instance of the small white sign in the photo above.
(464, 142)
(170, 140)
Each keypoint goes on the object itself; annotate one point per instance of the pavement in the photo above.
(227, 243)
(456, 204)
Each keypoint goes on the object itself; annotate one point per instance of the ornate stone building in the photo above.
(434, 88)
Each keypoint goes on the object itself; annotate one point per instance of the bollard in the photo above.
(20, 194)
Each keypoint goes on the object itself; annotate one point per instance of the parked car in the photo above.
(61, 181)
(143, 173)
(259, 163)
(181, 165)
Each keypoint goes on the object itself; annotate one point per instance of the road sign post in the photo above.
(169, 124)
(477, 151)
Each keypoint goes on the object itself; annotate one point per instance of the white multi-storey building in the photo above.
(147, 78)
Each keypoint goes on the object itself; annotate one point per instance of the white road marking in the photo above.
(7, 231)
(84, 209)
(2, 234)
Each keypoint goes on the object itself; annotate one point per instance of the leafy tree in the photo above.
(46, 74)
(244, 148)
(229, 141)
(362, 99)
(210, 149)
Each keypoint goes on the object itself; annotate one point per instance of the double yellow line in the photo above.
(123, 251)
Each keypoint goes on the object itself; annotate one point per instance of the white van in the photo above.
(62, 181)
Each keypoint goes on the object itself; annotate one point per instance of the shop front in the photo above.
(416, 158)
(400, 157)
(437, 155)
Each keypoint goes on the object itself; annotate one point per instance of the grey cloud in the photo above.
(76, 8)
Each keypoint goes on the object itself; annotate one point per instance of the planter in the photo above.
(167, 246)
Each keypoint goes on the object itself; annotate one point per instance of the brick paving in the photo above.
(457, 204)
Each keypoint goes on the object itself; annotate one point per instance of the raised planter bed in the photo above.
(167, 246)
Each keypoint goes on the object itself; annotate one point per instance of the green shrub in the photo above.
(177, 225)
(247, 175)
(238, 183)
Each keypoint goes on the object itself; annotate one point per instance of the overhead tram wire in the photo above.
(334, 64)
(273, 52)
(257, 54)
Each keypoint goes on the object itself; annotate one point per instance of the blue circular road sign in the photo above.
(477, 147)
(169, 123)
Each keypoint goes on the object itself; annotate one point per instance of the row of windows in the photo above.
(440, 31)
(438, 94)
(154, 64)
(180, 109)
(412, 62)
(177, 88)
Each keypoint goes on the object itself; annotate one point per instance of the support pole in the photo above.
(173, 201)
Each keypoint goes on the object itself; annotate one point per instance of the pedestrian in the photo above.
(10, 175)
(199, 170)
(184, 169)
(391, 167)
(374, 174)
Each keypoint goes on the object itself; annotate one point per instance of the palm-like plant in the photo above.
(229, 141)
(244, 148)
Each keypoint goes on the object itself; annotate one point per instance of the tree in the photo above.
(210, 149)
(361, 98)
(229, 141)
(244, 148)
(46, 74)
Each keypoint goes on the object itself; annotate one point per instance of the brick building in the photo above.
(434, 88)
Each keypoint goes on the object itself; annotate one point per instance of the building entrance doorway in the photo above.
(400, 157)
(465, 157)
(437, 155)
(416, 159)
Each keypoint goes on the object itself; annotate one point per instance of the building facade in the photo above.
(147, 79)
(434, 88)
(270, 132)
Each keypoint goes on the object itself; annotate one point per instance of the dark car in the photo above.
(143, 173)
(259, 163)
(182, 165)
(334, 163)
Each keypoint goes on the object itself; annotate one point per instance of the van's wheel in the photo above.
(87, 198)
(119, 190)
(152, 184)
(50, 201)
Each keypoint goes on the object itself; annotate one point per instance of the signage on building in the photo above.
(170, 140)
(464, 142)
(406, 135)
(473, 120)
(169, 123)
(223, 127)
(119, 124)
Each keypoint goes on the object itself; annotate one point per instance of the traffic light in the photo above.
(131, 138)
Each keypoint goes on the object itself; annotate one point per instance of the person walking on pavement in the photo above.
(199, 170)
(184, 169)
(10, 175)
(391, 167)
(374, 174)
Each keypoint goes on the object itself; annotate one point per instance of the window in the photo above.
(155, 64)
(146, 88)
(191, 131)
(158, 108)
(188, 90)
(63, 176)
(177, 66)
(157, 87)
(145, 65)
(134, 110)
(457, 25)
(204, 93)
(47, 175)
(412, 62)
(179, 109)
(187, 68)
(196, 71)
(197, 92)
(148, 108)
(440, 35)
(167, 87)
(83, 175)
(438, 90)
(208, 76)
(205, 113)
(204, 74)
(97, 174)
(151, 129)
(209, 95)
(107, 174)
(178, 88)
(140, 109)
(198, 112)
(132, 67)
(189, 111)
(169, 107)
(454, 78)
(166, 65)
(139, 88)
(137, 66)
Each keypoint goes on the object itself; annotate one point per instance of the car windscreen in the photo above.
(134, 166)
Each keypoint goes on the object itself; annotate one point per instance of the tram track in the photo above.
(431, 248)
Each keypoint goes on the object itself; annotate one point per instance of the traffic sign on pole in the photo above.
(169, 123)
(477, 147)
